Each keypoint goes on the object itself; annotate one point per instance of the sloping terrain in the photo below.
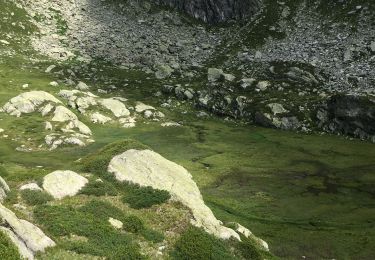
(111, 147)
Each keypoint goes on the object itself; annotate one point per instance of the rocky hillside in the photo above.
(129, 129)
(215, 11)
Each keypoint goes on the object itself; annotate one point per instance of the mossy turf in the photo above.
(8, 250)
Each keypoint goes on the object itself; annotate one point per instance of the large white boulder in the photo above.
(148, 168)
(28, 102)
(34, 238)
(63, 183)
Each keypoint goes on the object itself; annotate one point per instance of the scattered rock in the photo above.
(28, 102)
(63, 183)
(99, 118)
(115, 223)
(277, 108)
(263, 85)
(82, 86)
(30, 186)
(50, 68)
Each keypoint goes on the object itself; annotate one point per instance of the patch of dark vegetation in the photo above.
(248, 249)
(144, 197)
(97, 162)
(7, 249)
(152, 235)
(89, 221)
(133, 224)
(196, 244)
(99, 188)
(35, 197)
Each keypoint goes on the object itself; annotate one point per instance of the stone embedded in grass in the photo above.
(63, 183)
(141, 107)
(115, 223)
(115, 106)
(82, 86)
(54, 84)
(147, 168)
(98, 118)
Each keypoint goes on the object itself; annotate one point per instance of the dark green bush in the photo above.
(250, 250)
(196, 244)
(98, 188)
(7, 249)
(133, 224)
(97, 162)
(144, 197)
(152, 235)
(35, 197)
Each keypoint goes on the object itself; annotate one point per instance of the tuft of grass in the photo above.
(34, 197)
(145, 197)
(196, 244)
(97, 162)
(8, 250)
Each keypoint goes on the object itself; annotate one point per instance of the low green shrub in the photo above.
(98, 161)
(195, 243)
(132, 224)
(98, 188)
(248, 249)
(145, 197)
(89, 221)
(12, 197)
(152, 235)
(8, 250)
(35, 197)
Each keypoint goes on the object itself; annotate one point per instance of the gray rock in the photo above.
(215, 11)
